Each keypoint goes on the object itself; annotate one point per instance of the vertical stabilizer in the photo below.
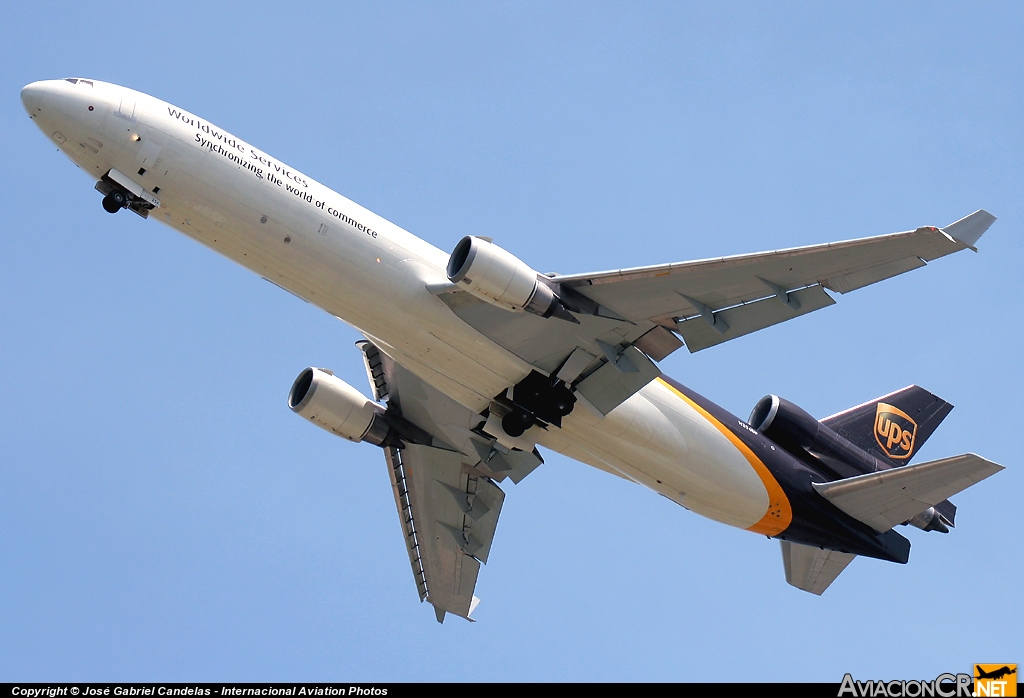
(893, 427)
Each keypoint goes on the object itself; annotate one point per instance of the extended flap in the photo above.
(699, 334)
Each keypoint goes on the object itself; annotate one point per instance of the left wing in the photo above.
(446, 493)
(712, 301)
(624, 319)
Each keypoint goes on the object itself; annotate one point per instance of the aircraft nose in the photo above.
(32, 96)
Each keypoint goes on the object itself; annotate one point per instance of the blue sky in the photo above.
(167, 518)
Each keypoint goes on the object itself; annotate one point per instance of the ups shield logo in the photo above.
(894, 431)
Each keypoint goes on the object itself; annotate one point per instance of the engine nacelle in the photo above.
(929, 520)
(792, 428)
(500, 278)
(334, 405)
(783, 422)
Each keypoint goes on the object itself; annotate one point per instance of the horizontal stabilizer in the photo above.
(890, 497)
(812, 569)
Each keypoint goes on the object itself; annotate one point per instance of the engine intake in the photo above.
(795, 430)
(334, 405)
(500, 278)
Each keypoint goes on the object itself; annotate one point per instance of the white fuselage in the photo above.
(310, 240)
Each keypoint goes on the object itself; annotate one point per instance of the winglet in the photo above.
(969, 229)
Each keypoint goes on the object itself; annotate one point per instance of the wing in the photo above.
(445, 486)
(715, 300)
(630, 316)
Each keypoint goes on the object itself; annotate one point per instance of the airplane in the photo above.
(995, 674)
(475, 360)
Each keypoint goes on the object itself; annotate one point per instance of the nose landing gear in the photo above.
(116, 196)
(115, 201)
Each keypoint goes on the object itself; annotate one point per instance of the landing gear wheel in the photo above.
(114, 201)
(564, 401)
(516, 423)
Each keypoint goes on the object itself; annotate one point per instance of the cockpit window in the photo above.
(85, 82)
(79, 81)
(72, 80)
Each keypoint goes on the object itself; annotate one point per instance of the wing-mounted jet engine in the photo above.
(337, 407)
(498, 277)
(444, 474)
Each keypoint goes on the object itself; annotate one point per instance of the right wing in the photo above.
(445, 486)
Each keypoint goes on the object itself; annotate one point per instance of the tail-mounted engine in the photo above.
(497, 276)
(796, 431)
(801, 435)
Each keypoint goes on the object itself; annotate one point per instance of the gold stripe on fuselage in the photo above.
(779, 514)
